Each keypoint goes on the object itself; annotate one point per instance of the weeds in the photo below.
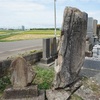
(4, 82)
(44, 77)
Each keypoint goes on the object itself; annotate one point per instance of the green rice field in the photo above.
(15, 35)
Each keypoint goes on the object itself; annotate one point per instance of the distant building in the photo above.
(23, 27)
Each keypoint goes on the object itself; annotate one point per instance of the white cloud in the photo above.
(36, 13)
(90, 0)
(95, 15)
(19, 12)
(21, 6)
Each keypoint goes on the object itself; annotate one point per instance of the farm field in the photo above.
(16, 35)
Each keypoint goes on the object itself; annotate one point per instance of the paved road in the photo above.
(8, 49)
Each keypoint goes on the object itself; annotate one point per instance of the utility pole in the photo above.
(55, 17)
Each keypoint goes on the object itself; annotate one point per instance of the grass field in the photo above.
(15, 35)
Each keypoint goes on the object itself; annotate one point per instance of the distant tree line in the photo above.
(44, 28)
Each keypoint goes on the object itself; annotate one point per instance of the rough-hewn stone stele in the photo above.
(21, 73)
(71, 49)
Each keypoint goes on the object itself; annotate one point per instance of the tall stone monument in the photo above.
(71, 51)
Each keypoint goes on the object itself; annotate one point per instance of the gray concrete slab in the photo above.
(89, 72)
(92, 63)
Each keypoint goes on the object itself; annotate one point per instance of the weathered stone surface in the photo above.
(40, 97)
(71, 49)
(21, 73)
(87, 94)
(26, 92)
(57, 95)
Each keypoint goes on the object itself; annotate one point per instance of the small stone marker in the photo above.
(46, 51)
(22, 76)
(46, 48)
(21, 73)
(71, 54)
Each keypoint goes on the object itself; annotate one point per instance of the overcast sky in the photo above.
(40, 13)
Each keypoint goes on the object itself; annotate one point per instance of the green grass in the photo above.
(10, 33)
(44, 32)
(44, 77)
(4, 82)
(3, 36)
(7, 31)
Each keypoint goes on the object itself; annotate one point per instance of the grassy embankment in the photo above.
(15, 35)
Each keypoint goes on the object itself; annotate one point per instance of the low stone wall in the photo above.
(31, 58)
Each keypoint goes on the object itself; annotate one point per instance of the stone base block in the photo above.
(47, 60)
(41, 96)
(88, 54)
(27, 92)
(57, 95)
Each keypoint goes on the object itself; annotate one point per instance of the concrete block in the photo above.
(27, 92)
(41, 96)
